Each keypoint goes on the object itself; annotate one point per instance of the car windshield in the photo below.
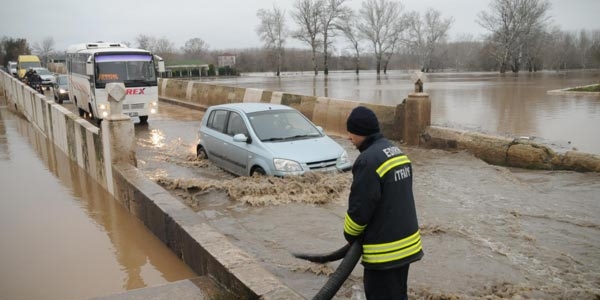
(62, 80)
(282, 125)
(30, 64)
(133, 69)
(43, 72)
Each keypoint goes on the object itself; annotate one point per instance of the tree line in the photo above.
(520, 37)
(382, 35)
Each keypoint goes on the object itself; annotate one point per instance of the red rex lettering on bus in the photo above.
(138, 91)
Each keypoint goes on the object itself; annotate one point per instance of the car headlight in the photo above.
(343, 158)
(286, 165)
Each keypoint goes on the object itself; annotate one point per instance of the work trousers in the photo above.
(388, 284)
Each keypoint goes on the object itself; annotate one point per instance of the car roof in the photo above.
(252, 107)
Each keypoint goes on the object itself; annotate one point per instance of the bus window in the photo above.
(131, 69)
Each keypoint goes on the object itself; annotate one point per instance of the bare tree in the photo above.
(381, 24)
(531, 50)
(463, 53)
(333, 11)
(425, 34)
(307, 14)
(584, 44)
(161, 46)
(273, 33)
(595, 47)
(194, 48)
(146, 42)
(44, 49)
(165, 48)
(510, 23)
(349, 28)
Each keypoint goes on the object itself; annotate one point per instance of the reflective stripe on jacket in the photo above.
(381, 209)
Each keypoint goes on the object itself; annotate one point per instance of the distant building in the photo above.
(226, 60)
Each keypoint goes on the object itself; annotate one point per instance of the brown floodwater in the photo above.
(489, 232)
(62, 235)
(511, 105)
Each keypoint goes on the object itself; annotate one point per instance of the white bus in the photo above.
(91, 66)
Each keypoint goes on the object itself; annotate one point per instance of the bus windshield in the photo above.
(30, 64)
(133, 69)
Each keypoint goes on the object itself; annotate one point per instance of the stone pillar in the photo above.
(417, 117)
(117, 128)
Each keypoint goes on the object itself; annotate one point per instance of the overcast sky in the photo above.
(223, 24)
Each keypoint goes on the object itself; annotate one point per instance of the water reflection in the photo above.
(157, 138)
(91, 245)
(506, 104)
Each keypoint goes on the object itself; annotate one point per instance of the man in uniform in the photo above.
(381, 209)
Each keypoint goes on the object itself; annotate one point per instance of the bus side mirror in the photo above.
(89, 68)
(160, 68)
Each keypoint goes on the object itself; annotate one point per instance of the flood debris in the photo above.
(311, 188)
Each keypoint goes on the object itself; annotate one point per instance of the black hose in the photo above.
(323, 258)
(342, 272)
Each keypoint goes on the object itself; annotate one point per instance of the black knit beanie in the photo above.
(362, 121)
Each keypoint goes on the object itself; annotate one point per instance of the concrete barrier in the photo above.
(77, 138)
(200, 246)
(396, 122)
(521, 153)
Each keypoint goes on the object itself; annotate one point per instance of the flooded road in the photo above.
(488, 232)
(63, 236)
(513, 105)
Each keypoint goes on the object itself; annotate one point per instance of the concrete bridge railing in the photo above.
(396, 122)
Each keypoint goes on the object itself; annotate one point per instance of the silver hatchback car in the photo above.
(266, 139)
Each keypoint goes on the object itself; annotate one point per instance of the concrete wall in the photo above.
(77, 138)
(201, 247)
(331, 114)
(521, 153)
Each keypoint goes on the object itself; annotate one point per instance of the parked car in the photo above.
(60, 88)
(266, 139)
(12, 68)
(48, 78)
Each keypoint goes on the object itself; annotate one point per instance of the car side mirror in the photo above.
(241, 138)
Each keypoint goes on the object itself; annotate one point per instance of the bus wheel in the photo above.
(143, 120)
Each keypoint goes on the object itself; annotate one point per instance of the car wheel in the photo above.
(143, 120)
(60, 101)
(201, 152)
(258, 171)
